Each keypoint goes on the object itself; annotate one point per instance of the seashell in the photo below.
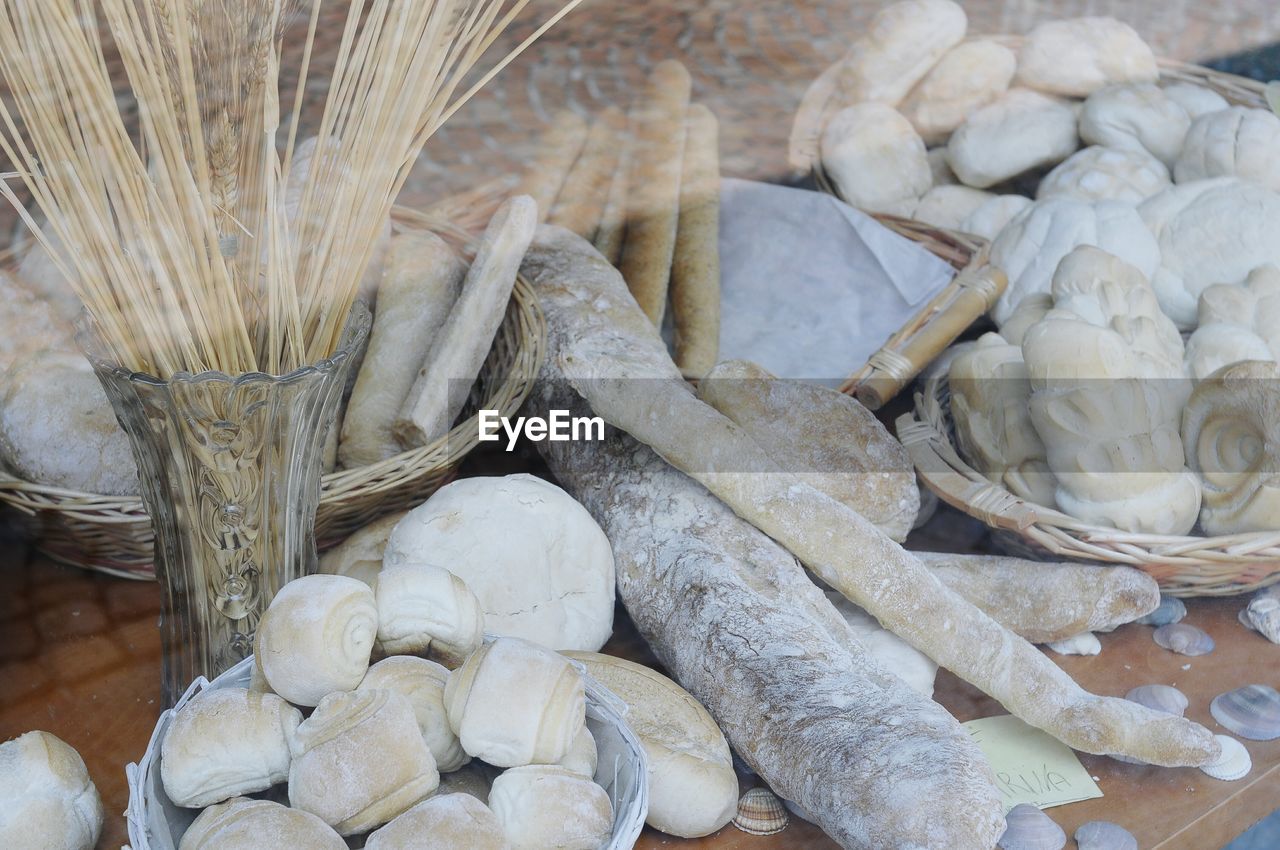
(1104, 835)
(1170, 610)
(1263, 614)
(1234, 763)
(1085, 643)
(1164, 698)
(1184, 639)
(1251, 712)
(1028, 828)
(1243, 617)
(760, 812)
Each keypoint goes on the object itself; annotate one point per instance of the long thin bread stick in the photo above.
(657, 129)
(557, 153)
(695, 269)
(581, 203)
(613, 221)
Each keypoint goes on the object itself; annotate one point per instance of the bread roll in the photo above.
(316, 637)
(226, 743)
(514, 703)
(46, 797)
(27, 323)
(360, 555)
(487, 530)
(57, 427)
(448, 822)
(545, 807)
(419, 287)
(422, 682)
(427, 609)
(582, 756)
(244, 824)
(693, 790)
(360, 760)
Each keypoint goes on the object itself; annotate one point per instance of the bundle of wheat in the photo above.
(184, 246)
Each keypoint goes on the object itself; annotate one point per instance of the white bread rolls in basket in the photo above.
(156, 823)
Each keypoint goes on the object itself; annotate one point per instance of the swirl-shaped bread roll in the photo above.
(545, 806)
(514, 703)
(452, 822)
(422, 682)
(244, 824)
(427, 609)
(225, 743)
(359, 760)
(46, 796)
(316, 637)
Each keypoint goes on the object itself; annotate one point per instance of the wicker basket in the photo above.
(978, 286)
(1184, 565)
(112, 534)
(155, 823)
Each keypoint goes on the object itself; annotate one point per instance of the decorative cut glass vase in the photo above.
(229, 470)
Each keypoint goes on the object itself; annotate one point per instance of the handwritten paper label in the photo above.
(1030, 766)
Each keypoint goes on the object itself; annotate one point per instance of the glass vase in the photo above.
(229, 470)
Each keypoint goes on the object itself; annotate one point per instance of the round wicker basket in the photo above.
(1183, 565)
(155, 823)
(112, 534)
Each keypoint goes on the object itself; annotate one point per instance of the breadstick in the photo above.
(613, 220)
(614, 358)
(734, 618)
(1046, 602)
(826, 438)
(419, 287)
(450, 368)
(556, 154)
(581, 203)
(653, 181)
(695, 269)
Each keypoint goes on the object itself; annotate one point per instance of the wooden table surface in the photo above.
(80, 656)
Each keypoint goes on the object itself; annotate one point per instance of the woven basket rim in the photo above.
(339, 486)
(1185, 565)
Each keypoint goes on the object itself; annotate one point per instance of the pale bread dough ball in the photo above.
(57, 427)
(1235, 142)
(968, 77)
(582, 756)
(225, 743)
(1098, 173)
(1135, 116)
(445, 822)
(425, 609)
(693, 790)
(360, 555)
(360, 760)
(422, 682)
(1197, 100)
(539, 564)
(949, 206)
(897, 48)
(514, 703)
(545, 807)
(28, 324)
(1019, 131)
(1077, 57)
(990, 218)
(244, 824)
(875, 158)
(46, 797)
(316, 637)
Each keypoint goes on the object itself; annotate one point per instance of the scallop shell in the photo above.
(1085, 643)
(1234, 763)
(1163, 698)
(1251, 712)
(1028, 828)
(1183, 639)
(1170, 610)
(760, 812)
(1263, 614)
(1104, 835)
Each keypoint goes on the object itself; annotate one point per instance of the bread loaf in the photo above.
(244, 824)
(422, 682)
(446, 822)
(47, 799)
(545, 807)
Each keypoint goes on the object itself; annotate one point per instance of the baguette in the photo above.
(455, 357)
(657, 132)
(613, 219)
(556, 154)
(695, 269)
(581, 203)
(613, 357)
